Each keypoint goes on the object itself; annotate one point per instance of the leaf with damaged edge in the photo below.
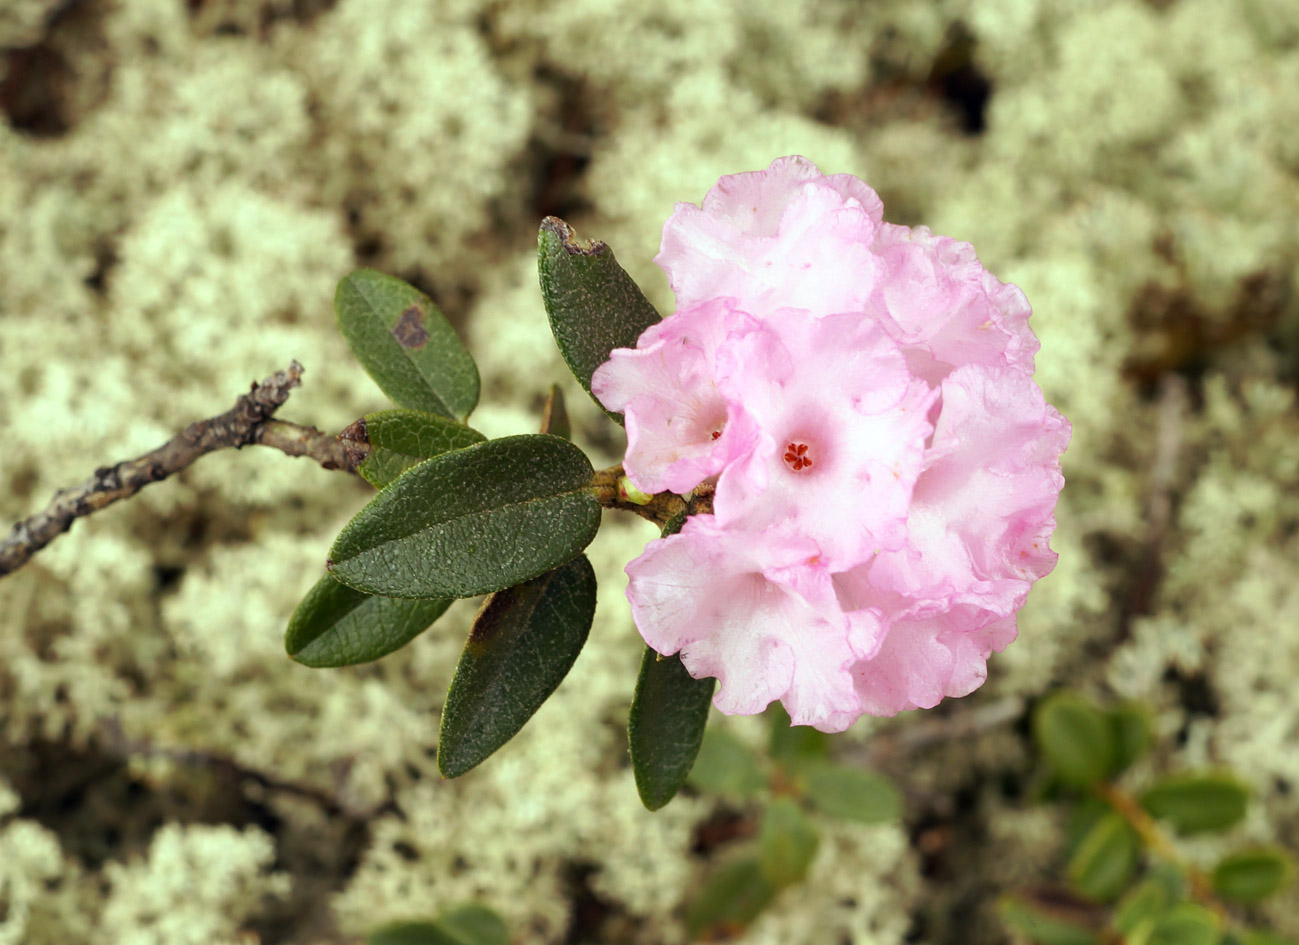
(335, 625)
(406, 344)
(523, 644)
(385, 444)
(472, 521)
(594, 306)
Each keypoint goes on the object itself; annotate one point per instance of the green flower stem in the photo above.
(660, 509)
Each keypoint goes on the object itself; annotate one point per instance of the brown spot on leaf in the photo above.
(409, 330)
(356, 442)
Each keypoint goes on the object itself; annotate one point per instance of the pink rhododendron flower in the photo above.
(860, 394)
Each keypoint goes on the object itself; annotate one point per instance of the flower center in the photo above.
(796, 457)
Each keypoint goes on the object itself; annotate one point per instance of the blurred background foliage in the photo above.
(182, 182)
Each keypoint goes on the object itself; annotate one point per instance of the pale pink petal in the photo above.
(774, 238)
(680, 430)
(947, 308)
(843, 433)
(751, 611)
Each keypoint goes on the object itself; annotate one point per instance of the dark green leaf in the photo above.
(1131, 736)
(666, 725)
(472, 521)
(787, 843)
(406, 344)
(554, 416)
(413, 933)
(1187, 923)
(731, 897)
(1106, 859)
(475, 925)
(1253, 875)
(523, 644)
(1076, 738)
(726, 766)
(793, 745)
(1043, 926)
(594, 306)
(338, 626)
(1197, 803)
(385, 444)
(852, 794)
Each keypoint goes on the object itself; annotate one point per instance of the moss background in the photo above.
(183, 181)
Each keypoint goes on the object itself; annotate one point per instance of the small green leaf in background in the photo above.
(1197, 803)
(852, 794)
(666, 726)
(338, 626)
(385, 444)
(406, 344)
(732, 897)
(1187, 923)
(594, 306)
(1131, 728)
(1263, 937)
(1076, 738)
(787, 843)
(524, 641)
(726, 766)
(794, 745)
(554, 415)
(412, 933)
(476, 925)
(463, 925)
(1253, 875)
(1105, 861)
(1043, 926)
(1143, 905)
(472, 521)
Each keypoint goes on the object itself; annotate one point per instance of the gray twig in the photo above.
(248, 421)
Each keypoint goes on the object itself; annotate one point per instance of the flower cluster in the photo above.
(860, 395)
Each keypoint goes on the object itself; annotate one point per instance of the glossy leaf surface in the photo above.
(472, 521)
(522, 645)
(336, 625)
(406, 344)
(594, 306)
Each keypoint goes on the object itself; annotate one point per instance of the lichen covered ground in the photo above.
(181, 185)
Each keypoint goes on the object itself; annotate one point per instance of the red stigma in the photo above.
(796, 456)
(716, 434)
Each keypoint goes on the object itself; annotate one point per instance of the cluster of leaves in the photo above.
(459, 515)
(469, 924)
(796, 777)
(1127, 880)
